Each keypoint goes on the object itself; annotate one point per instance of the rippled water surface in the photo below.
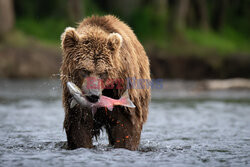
(184, 128)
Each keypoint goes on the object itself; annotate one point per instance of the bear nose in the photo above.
(93, 98)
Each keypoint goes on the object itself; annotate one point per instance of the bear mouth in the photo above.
(112, 93)
(92, 98)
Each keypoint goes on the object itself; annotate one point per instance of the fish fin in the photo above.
(126, 100)
(94, 109)
(73, 103)
(110, 108)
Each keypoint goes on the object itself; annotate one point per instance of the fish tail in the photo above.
(125, 100)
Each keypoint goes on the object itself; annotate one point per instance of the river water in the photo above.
(185, 127)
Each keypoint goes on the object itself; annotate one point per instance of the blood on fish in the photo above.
(106, 111)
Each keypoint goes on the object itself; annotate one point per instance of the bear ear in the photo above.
(114, 41)
(69, 38)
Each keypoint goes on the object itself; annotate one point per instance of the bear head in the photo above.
(89, 57)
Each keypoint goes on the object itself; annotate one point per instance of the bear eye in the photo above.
(86, 42)
(84, 73)
(103, 75)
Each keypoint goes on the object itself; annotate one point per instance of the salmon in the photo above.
(104, 101)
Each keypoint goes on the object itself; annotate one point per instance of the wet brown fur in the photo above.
(90, 46)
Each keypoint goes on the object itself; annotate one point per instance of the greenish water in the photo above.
(184, 128)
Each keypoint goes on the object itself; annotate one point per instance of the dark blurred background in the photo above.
(187, 39)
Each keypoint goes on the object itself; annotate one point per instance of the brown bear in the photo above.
(105, 49)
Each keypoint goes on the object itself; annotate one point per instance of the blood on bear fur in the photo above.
(103, 48)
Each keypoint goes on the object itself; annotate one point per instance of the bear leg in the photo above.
(124, 134)
(78, 130)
